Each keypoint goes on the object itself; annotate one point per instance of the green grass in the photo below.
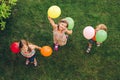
(29, 21)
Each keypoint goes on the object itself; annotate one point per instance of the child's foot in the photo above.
(88, 50)
(56, 47)
(98, 45)
(27, 62)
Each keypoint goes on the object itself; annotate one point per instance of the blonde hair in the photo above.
(101, 27)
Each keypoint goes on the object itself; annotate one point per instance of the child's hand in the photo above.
(66, 29)
(49, 17)
(40, 48)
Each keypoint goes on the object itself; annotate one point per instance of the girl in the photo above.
(93, 40)
(59, 32)
(28, 50)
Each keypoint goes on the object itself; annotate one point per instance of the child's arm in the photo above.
(69, 31)
(35, 46)
(52, 22)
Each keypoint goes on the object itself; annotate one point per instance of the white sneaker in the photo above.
(88, 50)
(98, 45)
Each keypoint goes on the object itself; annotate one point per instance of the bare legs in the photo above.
(90, 46)
(34, 62)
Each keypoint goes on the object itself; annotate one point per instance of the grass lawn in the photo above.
(29, 21)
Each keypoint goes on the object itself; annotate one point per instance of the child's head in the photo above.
(101, 27)
(63, 24)
(24, 44)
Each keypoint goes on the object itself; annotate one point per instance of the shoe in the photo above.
(27, 62)
(98, 45)
(88, 50)
(56, 47)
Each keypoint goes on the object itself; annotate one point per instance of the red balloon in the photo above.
(15, 47)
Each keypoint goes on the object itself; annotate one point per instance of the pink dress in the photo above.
(59, 37)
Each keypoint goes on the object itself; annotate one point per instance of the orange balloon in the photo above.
(46, 51)
(94, 37)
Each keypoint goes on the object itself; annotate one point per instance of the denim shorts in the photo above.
(92, 41)
(31, 59)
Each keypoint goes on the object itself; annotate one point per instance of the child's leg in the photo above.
(27, 61)
(90, 43)
(89, 47)
(35, 62)
(56, 47)
(55, 44)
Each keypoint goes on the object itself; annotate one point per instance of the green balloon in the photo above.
(101, 36)
(70, 22)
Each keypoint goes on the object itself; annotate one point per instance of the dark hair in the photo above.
(21, 45)
(64, 21)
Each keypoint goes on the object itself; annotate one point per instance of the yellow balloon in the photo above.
(54, 11)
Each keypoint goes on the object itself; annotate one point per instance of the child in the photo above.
(93, 40)
(60, 32)
(28, 50)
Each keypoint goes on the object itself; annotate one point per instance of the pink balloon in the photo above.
(89, 32)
